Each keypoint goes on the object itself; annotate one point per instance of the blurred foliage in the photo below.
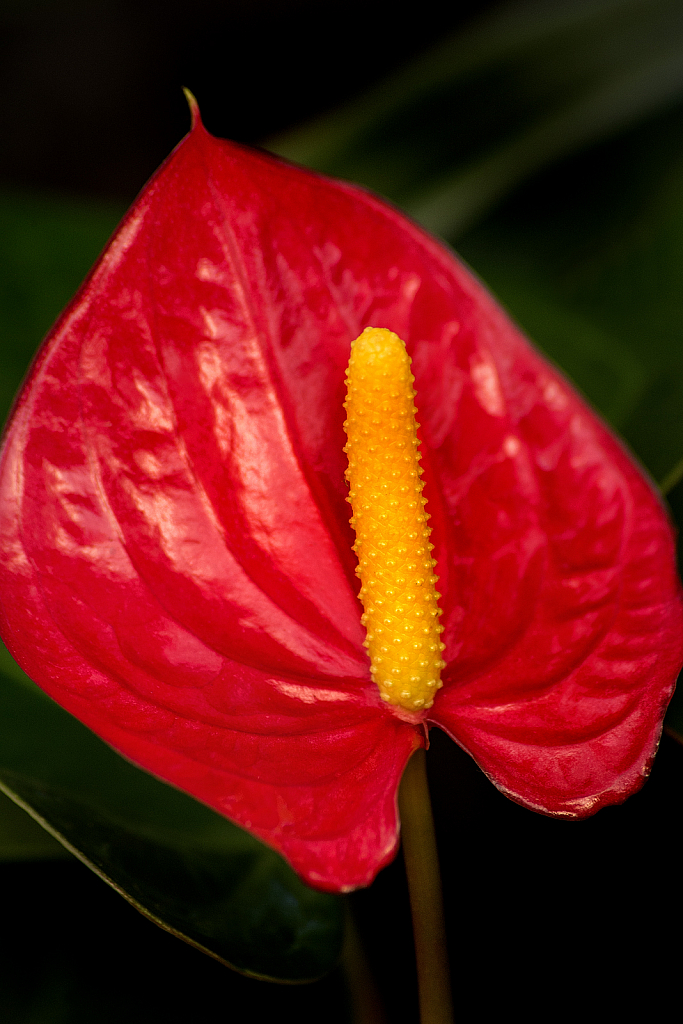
(47, 246)
(22, 838)
(179, 863)
(448, 136)
(75, 953)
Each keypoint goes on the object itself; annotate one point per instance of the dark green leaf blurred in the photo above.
(47, 246)
(181, 864)
(73, 952)
(22, 838)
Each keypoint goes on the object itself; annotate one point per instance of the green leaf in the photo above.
(47, 246)
(21, 838)
(185, 867)
(455, 131)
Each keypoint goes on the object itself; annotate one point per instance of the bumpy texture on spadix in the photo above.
(396, 569)
(175, 548)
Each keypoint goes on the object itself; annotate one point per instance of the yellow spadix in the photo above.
(395, 563)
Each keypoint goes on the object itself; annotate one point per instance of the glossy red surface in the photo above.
(176, 555)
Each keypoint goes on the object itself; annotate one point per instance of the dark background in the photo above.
(546, 919)
(91, 89)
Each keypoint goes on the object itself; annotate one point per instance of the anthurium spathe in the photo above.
(177, 563)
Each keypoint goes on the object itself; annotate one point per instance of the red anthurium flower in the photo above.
(177, 564)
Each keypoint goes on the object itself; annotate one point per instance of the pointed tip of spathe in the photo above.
(194, 108)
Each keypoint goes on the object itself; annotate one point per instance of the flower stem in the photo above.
(424, 886)
(366, 1002)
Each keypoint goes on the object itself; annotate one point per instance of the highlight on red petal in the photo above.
(175, 543)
